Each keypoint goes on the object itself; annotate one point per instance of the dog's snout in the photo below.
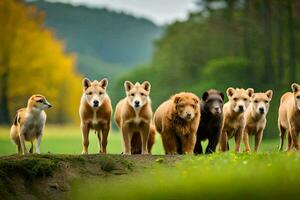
(189, 114)
(261, 110)
(96, 103)
(217, 109)
(49, 105)
(136, 103)
(241, 108)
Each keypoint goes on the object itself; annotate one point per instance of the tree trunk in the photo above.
(280, 64)
(268, 67)
(4, 113)
(247, 48)
(292, 44)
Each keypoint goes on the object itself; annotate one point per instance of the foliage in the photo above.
(227, 44)
(30, 168)
(33, 61)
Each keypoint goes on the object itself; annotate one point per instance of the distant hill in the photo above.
(104, 41)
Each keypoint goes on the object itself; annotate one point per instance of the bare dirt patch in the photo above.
(49, 176)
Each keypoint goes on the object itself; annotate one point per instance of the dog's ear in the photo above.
(295, 87)
(250, 92)
(230, 91)
(86, 83)
(196, 100)
(103, 83)
(204, 96)
(176, 99)
(269, 94)
(147, 86)
(128, 86)
(222, 95)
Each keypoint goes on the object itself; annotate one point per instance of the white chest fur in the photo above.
(137, 119)
(95, 120)
(33, 124)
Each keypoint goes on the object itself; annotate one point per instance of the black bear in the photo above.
(211, 121)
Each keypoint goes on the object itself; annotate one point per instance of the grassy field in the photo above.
(219, 176)
(67, 140)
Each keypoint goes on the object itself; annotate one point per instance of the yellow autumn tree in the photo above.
(33, 61)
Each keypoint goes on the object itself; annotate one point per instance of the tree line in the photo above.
(227, 43)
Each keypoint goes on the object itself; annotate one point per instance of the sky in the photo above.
(161, 12)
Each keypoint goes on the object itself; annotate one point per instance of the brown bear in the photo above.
(177, 120)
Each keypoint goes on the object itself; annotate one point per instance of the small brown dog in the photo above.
(234, 119)
(29, 123)
(95, 112)
(255, 117)
(133, 116)
(177, 120)
(289, 117)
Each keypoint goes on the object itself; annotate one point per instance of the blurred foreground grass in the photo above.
(220, 176)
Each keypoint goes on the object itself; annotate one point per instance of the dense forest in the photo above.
(106, 43)
(228, 43)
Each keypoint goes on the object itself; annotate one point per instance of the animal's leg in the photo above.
(85, 138)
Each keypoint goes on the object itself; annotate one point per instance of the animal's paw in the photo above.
(247, 151)
(84, 152)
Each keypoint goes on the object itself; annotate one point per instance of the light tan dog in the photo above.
(95, 112)
(234, 122)
(177, 121)
(289, 117)
(29, 123)
(133, 116)
(255, 117)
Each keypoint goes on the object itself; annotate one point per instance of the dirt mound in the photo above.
(49, 176)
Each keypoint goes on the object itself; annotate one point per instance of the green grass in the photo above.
(67, 140)
(264, 175)
(219, 176)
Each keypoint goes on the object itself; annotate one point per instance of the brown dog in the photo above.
(133, 116)
(29, 124)
(255, 117)
(177, 120)
(95, 112)
(234, 122)
(289, 117)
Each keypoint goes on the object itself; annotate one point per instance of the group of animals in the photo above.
(183, 121)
